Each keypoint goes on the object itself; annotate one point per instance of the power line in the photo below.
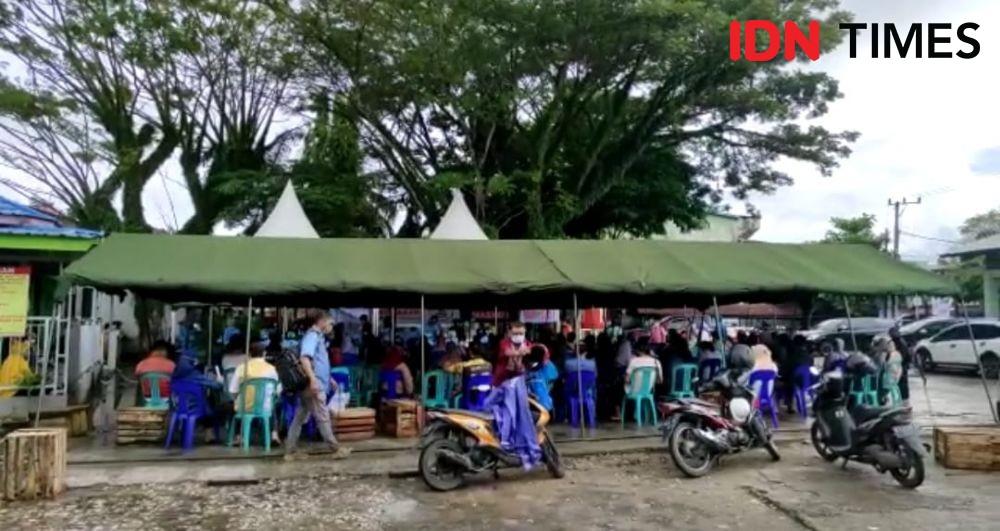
(931, 238)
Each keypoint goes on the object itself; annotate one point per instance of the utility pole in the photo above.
(897, 212)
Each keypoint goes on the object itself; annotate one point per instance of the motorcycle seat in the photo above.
(478, 414)
(863, 413)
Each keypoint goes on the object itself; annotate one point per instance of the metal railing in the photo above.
(48, 339)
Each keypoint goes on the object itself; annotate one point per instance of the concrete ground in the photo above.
(639, 490)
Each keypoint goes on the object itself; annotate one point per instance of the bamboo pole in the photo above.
(850, 325)
(979, 361)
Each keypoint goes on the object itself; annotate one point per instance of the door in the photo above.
(952, 346)
(987, 337)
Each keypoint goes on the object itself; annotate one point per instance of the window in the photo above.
(954, 333)
(985, 331)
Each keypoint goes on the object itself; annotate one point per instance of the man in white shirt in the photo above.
(643, 359)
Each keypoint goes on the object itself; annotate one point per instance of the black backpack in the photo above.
(293, 378)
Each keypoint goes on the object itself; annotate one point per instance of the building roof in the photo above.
(980, 246)
(14, 209)
(29, 229)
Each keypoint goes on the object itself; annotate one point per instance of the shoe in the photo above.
(340, 453)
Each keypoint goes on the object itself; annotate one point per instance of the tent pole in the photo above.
(718, 329)
(249, 316)
(173, 325)
(211, 340)
(850, 325)
(423, 348)
(496, 320)
(975, 352)
(579, 365)
(392, 333)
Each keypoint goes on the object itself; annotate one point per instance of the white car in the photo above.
(952, 347)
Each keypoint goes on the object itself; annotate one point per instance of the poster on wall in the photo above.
(14, 282)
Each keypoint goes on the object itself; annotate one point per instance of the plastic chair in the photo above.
(709, 368)
(369, 384)
(640, 391)
(475, 389)
(356, 373)
(188, 403)
(588, 381)
(440, 383)
(289, 404)
(890, 386)
(261, 407)
(341, 375)
(864, 390)
(682, 380)
(762, 382)
(150, 382)
(389, 380)
(802, 382)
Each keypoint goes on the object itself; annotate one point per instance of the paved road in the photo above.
(633, 491)
(955, 398)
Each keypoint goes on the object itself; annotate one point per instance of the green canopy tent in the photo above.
(399, 272)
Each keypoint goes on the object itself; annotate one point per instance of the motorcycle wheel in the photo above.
(553, 461)
(912, 476)
(692, 457)
(824, 451)
(772, 450)
(438, 476)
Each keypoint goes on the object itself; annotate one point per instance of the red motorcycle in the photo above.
(698, 432)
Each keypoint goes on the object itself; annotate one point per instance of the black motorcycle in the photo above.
(883, 437)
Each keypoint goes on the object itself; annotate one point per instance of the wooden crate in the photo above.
(33, 464)
(141, 425)
(401, 418)
(968, 447)
(354, 424)
(76, 419)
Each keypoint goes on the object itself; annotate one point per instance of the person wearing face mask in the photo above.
(511, 354)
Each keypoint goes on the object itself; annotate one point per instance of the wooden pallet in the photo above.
(968, 447)
(354, 424)
(33, 464)
(141, 425)
(76, 419)
(401, 418)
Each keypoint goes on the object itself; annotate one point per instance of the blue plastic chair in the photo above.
(261, 409)
(435, 386)
(472, 397)
(588, 380)
(388, 380)
(341, 375)
(151, 381)
(762, 382)
(188, 403)
(640, 392)
(709, 368)
(682, 380)
(803, 381)
(864, 390)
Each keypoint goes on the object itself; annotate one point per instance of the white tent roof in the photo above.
(287, 220)
(458, 222)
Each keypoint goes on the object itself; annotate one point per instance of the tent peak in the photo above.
(287, 219)
(458, 223)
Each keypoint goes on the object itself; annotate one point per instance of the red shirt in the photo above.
(501, 371)
(155, 364)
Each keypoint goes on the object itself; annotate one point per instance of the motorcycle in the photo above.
(883, 437)
(457, 442)
(698, 432)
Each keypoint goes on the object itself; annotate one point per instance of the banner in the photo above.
(14, 283)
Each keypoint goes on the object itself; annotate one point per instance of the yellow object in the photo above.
(15, 368)
(14, 282)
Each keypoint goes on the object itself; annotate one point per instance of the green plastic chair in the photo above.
(640, 391)
(152, 380)
(261, 409)
(369, 384)
(682, 380)
(866, 392)
(440, 383)
(890, 386)
(356, 372)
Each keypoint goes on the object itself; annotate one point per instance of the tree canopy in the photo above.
(860, 229)
(981, 225)
(556, 118)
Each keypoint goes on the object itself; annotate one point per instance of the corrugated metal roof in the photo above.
(984, 245)
(62, 232)
(11, 208)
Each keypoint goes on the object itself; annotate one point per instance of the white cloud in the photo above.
(923, 124)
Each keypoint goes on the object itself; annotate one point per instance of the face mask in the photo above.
(484, 339)
(517, 339)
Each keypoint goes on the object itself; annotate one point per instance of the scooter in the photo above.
(458, 442)
(698, 432)
(883, 437)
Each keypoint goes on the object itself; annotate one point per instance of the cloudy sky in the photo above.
(928, 128)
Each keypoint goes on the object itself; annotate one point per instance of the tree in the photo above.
(93, 112)
(859, 229)
(981, 226)
(565, 118)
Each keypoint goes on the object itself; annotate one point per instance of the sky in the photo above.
(928, 129)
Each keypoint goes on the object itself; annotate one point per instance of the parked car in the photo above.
(864, 328)
(952, 347)
(916, 331)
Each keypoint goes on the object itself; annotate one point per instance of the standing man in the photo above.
(510, 358)
(907, 355)
(312, 400)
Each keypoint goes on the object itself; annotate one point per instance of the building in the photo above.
(987, 252)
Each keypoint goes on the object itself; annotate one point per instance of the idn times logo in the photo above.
(761, 40)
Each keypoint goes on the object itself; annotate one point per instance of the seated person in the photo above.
(583, 362)
(255, 367)
(395, 360)
(235, 354)
(540, 378)
(643, 359)
(706, 351)
(762, 360)
(158, 360)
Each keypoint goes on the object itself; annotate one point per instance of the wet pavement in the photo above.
(625, 491)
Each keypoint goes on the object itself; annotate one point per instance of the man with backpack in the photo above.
(313, 386)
